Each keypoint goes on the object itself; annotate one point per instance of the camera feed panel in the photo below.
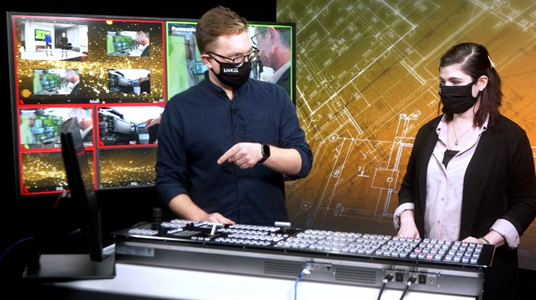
(271, 65)
(56, 82)
(126, 125)
(39, 128)
(184, 65)
(53, 40)
(44, 172)
(127, 43)
(129, 81)
(126, 167)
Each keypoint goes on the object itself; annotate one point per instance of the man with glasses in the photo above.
(225, 144)
(274, 51)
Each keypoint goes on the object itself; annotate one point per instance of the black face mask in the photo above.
(233, 76)
(457, 99)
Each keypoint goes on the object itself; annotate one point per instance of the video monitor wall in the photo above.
(113, 74)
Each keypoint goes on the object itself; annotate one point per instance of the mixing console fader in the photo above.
(335, 257)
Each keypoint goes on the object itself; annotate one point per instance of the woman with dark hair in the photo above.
(470, 176)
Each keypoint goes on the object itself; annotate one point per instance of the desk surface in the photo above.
(167, 283)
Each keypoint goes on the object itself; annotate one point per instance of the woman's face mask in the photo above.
(457, 99)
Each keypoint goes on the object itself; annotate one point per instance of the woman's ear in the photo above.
(482, 82)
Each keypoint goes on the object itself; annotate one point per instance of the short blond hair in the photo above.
(217, 22)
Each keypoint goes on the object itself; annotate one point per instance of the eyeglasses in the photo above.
(238, 60)
(254, 37)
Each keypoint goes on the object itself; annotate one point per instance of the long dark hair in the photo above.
(475, 61)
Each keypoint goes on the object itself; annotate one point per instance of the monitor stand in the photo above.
(67, 267)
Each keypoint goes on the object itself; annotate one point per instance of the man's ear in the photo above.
(206, 60)
(272, 33)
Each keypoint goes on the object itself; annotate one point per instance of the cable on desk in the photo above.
(306, 270)
(3, 254)
(386, 279)
(13, 245)
(411, 280)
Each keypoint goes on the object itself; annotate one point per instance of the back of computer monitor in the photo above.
(99, 262)
(81, 186)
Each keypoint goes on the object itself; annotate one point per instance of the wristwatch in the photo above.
(265, 149)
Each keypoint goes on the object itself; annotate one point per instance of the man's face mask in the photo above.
(457, 99)
(233, 76)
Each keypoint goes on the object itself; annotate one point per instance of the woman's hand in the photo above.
(408, 229)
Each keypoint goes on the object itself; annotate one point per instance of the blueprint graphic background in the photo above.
(367, 79)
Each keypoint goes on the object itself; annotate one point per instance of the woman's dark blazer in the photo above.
(499, 183)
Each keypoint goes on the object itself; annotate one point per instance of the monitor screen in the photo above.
(40, 34)
(113, 74)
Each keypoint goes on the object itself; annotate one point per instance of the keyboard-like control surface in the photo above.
(344, 244)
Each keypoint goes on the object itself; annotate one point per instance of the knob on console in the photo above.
(157, 218)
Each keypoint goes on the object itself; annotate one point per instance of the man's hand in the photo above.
(244, 155)
(218, 218)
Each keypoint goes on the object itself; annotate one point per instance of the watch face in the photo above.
(265, 152)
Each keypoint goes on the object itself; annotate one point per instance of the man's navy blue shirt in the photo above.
(200, 124)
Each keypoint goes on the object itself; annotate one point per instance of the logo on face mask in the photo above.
(457, 99)
(231, 70)
(232, 76)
